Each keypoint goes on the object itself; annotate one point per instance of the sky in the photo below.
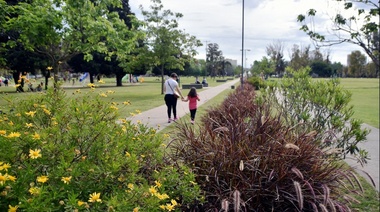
(266, 22)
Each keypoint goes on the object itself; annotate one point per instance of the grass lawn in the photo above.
(365, 99)
(142, 96)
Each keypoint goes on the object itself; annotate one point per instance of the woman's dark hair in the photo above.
(192, 92)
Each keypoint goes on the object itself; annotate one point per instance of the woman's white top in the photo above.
(173, 85)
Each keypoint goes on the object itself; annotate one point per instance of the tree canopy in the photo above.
(360, 28)
(61, 29)
(168, 47)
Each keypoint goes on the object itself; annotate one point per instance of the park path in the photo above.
(157, 119)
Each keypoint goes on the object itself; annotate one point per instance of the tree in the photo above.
(300, 57)
(361, 29)
(356, 64)
(264, 66)
(213, 58)
(276, 53)
(167, 45)
(61, 29)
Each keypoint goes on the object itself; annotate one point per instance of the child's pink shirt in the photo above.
(193, 102)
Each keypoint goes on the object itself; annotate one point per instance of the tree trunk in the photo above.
(119, 77)
(162, 79)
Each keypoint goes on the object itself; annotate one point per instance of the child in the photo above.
(192, 98)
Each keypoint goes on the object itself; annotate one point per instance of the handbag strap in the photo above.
(170, 86)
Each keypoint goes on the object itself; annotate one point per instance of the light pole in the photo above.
(245, 58)
(242, 46)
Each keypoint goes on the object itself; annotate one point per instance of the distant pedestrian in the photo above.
(172, 93)
(192, 98)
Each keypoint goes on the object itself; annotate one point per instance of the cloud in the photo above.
(266, 22)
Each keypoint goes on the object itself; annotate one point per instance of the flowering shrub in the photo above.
(60, 153)
(246, 159)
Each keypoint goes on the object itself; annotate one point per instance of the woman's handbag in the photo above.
(175, 93)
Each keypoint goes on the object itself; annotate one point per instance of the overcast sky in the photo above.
(266, 22)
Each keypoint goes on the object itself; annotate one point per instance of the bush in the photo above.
(247, 159)
(320, 105)
(60, 153)
(256, 82)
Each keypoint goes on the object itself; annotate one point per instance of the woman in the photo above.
(170, 87)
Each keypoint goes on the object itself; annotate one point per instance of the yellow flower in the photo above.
(103, 95)
(109, 91)
(66, 180)
(95, 197)
(12, 208)
(126, 103)
(158, 184)
(42, 179)
(174, 203)
(18, 114)
(34, 190)
(2, 179)
(36, 136)
(162, 196)
(30, 113)
(14, 135)
(153, 190)
(80, 203)
(11, 123)
(130, 186)
(169, 207)
(28, 125)
(138, 111)
(127, 154)
(10, 177)
(47, 111)
(4, 166)
(49, 68)
(3, 132)
(162, 207)
(34, 154)
(136, 209)
(114, 107)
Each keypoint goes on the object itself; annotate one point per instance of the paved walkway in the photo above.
(157, 118)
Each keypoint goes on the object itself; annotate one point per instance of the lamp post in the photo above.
(245, 59)
(242, 46)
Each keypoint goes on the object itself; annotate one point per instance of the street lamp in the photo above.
(242, 45)
(245, 57)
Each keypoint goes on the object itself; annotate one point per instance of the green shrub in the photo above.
(256, 82)
(247, 159)
(60, 153)
(320, 105)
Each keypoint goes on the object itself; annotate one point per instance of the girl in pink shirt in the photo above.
(192, 98)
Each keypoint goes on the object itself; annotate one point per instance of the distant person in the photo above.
(172, 93)
(192, 98)
(204, 81)
(39, 88)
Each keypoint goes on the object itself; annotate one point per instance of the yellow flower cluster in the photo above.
(6, 176)
(154, 192)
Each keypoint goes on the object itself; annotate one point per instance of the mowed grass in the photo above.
(142, 96)
(365, 99)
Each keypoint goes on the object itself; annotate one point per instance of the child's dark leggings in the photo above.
(192, 114)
